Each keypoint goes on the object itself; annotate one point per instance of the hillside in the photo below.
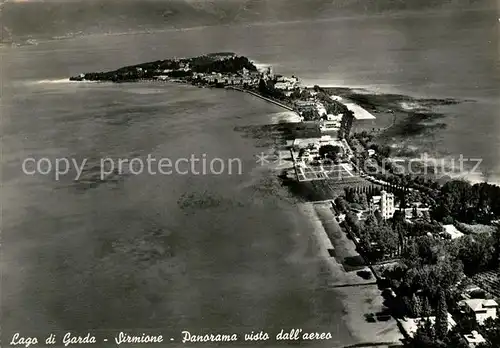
(47, 19)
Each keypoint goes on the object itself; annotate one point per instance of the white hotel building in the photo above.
(383, 203)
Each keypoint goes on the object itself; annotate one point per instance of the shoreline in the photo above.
(473, 178)
(359, 297)
(261, 97)
(295, 118)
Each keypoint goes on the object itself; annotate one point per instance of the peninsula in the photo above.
(228, 70)
(433, 247)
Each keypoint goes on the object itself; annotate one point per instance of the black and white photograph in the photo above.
(250, 173)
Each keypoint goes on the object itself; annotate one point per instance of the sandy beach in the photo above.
(364, 309)
(360, 113)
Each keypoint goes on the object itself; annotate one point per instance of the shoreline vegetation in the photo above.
(402, 248)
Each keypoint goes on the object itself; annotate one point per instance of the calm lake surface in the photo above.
(221, 253)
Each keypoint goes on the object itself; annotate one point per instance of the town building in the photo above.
(334, 118)
(327, 140)
(410, 213)
(284, 86)
(305, 103)
(474, 339)
(268, 74)
(482, 309)
(384, 204)
(328, 127)
(286, 83)
(411, 325)
(452, 232)
(330, 123)
(320, 108)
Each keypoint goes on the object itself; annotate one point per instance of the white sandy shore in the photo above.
(359, 112)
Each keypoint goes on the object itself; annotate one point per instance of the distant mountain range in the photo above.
(41, 19)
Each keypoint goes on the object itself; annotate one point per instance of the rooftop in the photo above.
(452, 231)
(410, 325)
(474, 338)
(477, 304)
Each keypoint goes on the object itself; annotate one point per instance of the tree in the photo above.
(496, 246)
(371, 222)
(424, 337)
(441, 326)
(341, 204)
(388, 240)
(363, 200)
(329, 151)
(263, 87)
(398, 217)
(410, 256)
(349, 194)
(477, 253)
(455, 339)
(427, 250)
(426, 307)
(353, 221)
(448, 271)
(414, 212)
(295, 94)
(416, 305)
(491, 330)
(355, 198)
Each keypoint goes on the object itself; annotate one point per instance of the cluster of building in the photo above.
(308, 106)
(243, 79)
(333, 128)
(479, 308)
(250, 79)
(309, 149)
(284, 83)
(331, 123)
(304, 106)
(312, 109)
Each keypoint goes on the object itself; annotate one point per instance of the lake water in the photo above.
(225, 253)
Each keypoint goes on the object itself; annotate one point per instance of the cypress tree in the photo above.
(441, 316)
(426, 307)
(416, 306)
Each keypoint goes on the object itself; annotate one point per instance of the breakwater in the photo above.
(262, 97)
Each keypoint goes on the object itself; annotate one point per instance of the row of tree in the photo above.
(457, 199)
(332, 106)
(231, 65)
(464, 202)
(377, 239)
